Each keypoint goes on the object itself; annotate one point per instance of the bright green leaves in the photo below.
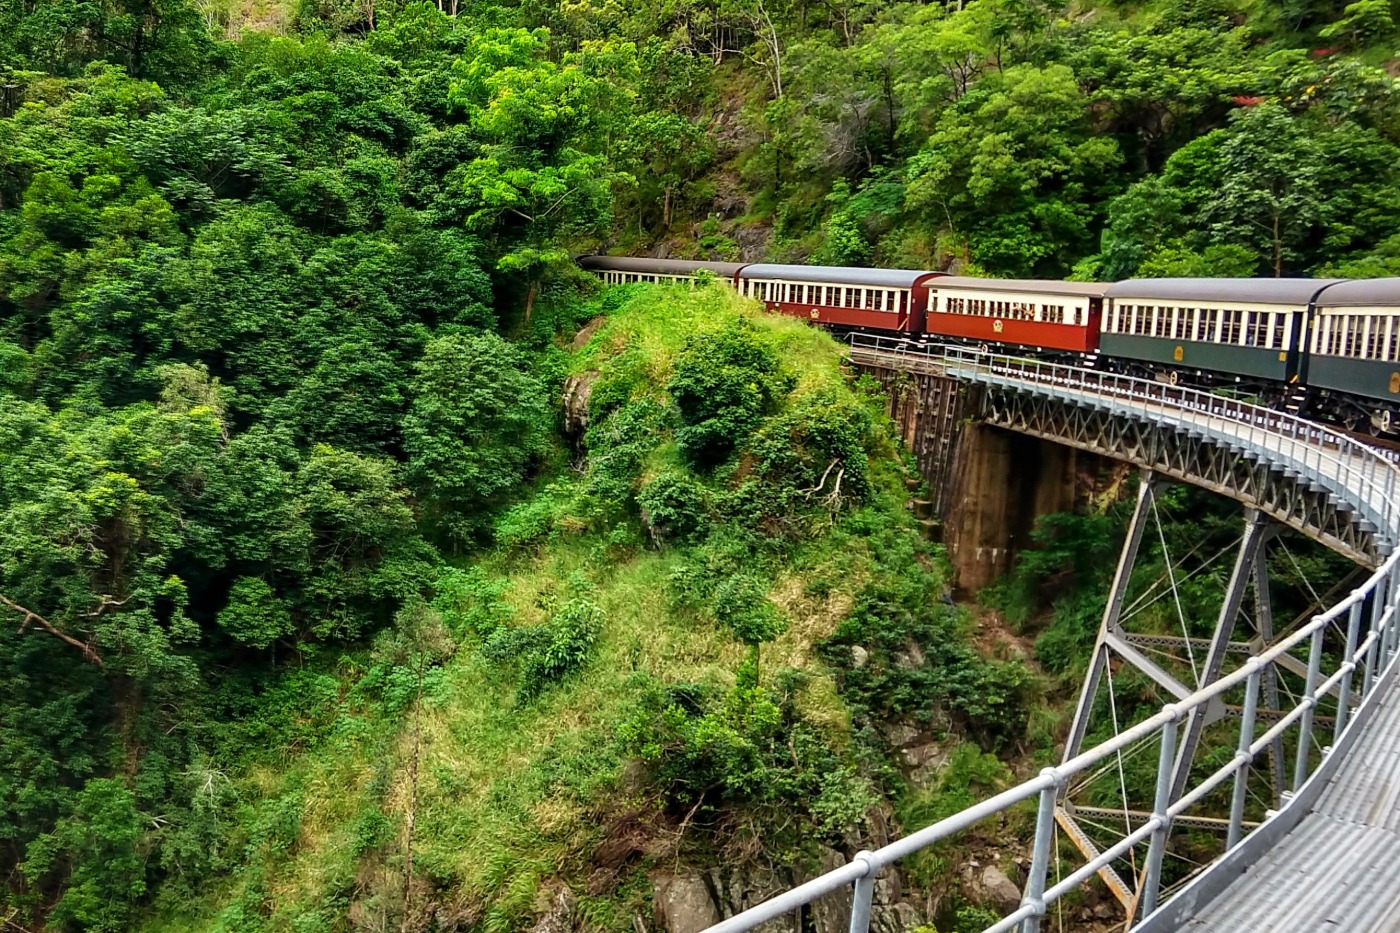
(723, 385)
(1361, 22)
(89, 524)
(1274, 192)
(475, 426)
(542, 177)
(98, 848)
(254, 615)
(1016, 166)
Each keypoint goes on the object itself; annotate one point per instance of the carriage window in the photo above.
(1229, 326)
(1393, 340)
(1257, 331)
(1205, 324)
(1373, 336)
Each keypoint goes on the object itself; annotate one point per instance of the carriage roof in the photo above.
(1242, 291)
(837, 275)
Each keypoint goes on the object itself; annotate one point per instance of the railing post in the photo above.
(1300, 765)
(1392, 631)
(1373, 647)
(1157, 850)
(1344, 688)
(1251, 706)
(1040, 855)
(863, 896)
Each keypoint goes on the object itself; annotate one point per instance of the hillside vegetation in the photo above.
(322, 611)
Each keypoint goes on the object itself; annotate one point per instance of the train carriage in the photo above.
(1354, 344)
(620, 270)
(878, 299)
(1247, 329)
(1046, 314)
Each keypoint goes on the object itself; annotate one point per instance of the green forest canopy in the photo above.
(256, 262)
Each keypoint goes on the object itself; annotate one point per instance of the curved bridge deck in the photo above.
(1337, 869)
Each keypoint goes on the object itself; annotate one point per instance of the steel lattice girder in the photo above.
(1175, 451)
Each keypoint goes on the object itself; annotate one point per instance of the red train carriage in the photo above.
(879, 299)
(1031, 313)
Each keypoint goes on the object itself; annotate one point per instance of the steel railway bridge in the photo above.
(1280, 746)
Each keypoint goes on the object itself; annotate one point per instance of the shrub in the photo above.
(675, 508)
(546, 654)
(254, 615)
(723, 384)
(741, 605)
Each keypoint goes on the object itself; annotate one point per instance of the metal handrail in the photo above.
(1372, 653)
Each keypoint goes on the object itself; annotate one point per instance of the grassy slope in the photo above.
(512, 795)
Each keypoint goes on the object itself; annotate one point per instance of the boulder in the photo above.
(578, 388)
(895, 918)
(1000, 890)
(683, 904)
(900, 734)
(558, 914)
(832, 913)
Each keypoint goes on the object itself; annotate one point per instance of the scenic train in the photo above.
(1330, 347)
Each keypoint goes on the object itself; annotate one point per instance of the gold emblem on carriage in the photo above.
(815, 314)
(997, 326)
(1394, 383)
(1178, 353)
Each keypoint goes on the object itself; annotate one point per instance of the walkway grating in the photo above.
(1337, 870)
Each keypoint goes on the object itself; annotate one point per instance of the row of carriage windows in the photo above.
(1006, 310)
(613, 277)
(1234, 326)
(831, 296)
(1357, 336)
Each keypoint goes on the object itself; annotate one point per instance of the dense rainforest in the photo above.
(363, 566)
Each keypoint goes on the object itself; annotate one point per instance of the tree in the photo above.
(537, 181)
(1272, 195)
(1014, 168)
(1363, 21)
(475, 425)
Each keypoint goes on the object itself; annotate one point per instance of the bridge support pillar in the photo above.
(1002, 482)
(988, 485)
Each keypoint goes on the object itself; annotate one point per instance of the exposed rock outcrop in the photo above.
(578, 389)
